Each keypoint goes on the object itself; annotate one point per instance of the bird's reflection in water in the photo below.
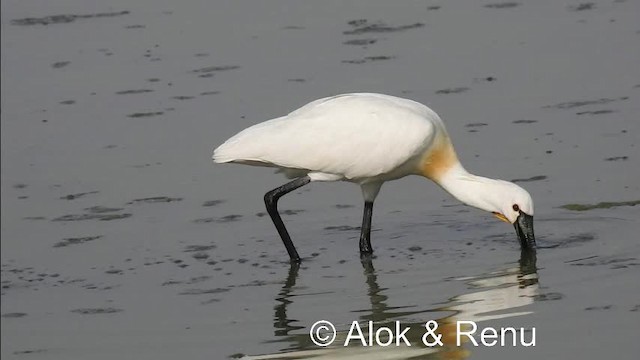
(499, 294)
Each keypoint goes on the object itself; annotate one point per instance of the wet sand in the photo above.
(120, 238)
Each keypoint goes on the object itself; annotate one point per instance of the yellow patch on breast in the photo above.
(438, 159)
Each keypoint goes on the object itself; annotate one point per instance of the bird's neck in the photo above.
(440, 163)
(470, 189)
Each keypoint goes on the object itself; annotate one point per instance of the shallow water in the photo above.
(120, 239)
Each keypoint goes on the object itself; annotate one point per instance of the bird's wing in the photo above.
(355, 135)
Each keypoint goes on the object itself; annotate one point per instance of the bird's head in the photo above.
(513, 204)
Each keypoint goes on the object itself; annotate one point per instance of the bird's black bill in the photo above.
(524, 229)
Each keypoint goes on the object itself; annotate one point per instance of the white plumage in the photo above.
(354, 137)
(369, 139)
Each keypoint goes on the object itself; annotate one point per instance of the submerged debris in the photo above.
(600, 205)
(63, 19)
(155, 199)
(574, 104)
(363, 26)
(504, 5)
(456, 90)
(75, 241)
(533, 178)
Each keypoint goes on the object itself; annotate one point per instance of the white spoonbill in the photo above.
(368, 139)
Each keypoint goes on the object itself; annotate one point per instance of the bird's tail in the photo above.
(220, 155)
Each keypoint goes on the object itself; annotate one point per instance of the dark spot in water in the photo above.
(63, 19)
(199, 248)
(153, 80)
(503, 5)
(342, 206)
(210, 301)
(34, 218)
(75, 241)
(209, 93)
(488, 79)
(213, 203)
(456, 90)
(573, 240)
(293, 27)
(596, 112)
(599, 308)
(533, 178)
(617, 158)
(434, 7)
(476, 124)
(14, 315)
(600, 205)
(291, 212)
(153, 200)
(20, 186)
(548, 297)
(524, 121)
(613, 263)
(261, 214)
(29, 352)
(360, 42)
(201, 55)
(342, 228)
(363, 26)
(96, 311)
(102, 209)
(415, 248)
(193, 280)
(368, 59)
(211, 69)
(135, 27)
(200, 256)
(145, 114)
(101, 217)
(581, 259)
(114, 272)
(142, 166)
(183, 97)
(204, 291)
(582, 6)
(136, 91)
(68, 102)
(224, 219)
(77, 195)
(574, 104)
(60, 64)
(229, 218)
(298, 80)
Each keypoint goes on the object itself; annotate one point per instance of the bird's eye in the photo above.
(516, 207)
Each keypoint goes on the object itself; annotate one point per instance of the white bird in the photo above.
(368, 139)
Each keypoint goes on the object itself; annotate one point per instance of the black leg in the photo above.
(271, 201)
(365, 234)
